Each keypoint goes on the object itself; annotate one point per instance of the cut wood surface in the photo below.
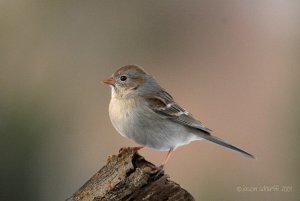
(128, 176)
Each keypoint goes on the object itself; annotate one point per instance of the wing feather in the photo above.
(164, 104)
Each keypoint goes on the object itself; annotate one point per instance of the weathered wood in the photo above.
(128, 176)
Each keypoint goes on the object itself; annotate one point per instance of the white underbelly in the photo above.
(146, 127)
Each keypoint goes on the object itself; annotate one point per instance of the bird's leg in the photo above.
(132, 148)
(167, 158)
(160, 169)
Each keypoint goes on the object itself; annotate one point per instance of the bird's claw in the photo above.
(158, 171)
(122, 149)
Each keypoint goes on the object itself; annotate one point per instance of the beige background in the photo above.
(232, 64)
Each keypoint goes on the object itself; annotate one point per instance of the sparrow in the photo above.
(141, 110)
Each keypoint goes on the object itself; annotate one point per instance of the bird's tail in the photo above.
(221, 142)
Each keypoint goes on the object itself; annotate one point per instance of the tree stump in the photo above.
(128, 176)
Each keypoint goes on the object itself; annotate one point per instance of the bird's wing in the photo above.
(163, 104)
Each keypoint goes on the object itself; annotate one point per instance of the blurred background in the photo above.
(233, 64)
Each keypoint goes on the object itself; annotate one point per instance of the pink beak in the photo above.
(109, 81)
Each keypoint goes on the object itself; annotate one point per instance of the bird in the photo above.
(141, 110)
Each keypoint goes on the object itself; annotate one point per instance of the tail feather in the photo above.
(221, 142)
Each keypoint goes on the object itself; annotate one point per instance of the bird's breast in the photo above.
(122, 114)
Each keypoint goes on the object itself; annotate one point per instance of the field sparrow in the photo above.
(141, 110)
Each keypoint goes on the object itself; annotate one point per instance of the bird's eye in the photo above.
(123, 78)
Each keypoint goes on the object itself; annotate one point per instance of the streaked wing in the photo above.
(164, 104)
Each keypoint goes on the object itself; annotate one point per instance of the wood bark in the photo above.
(128, 176)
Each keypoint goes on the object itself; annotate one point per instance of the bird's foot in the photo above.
(158, 171)
(130, 148)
